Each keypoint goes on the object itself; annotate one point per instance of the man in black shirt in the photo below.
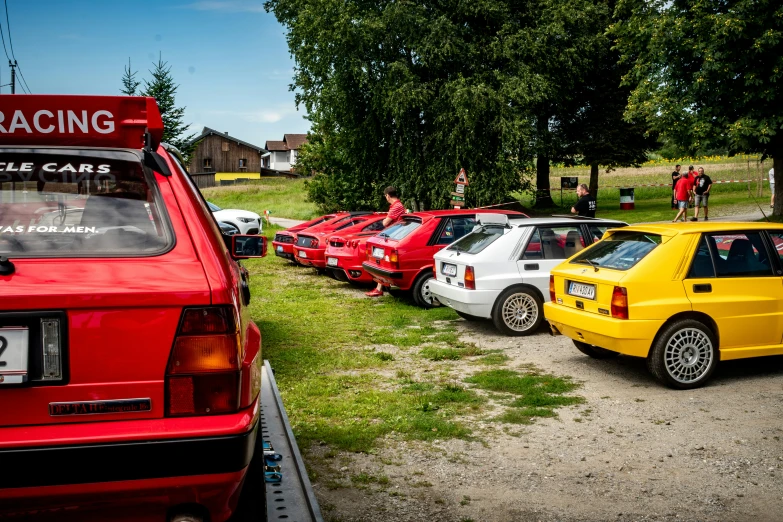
(701, 187)
(675, 178)
(586, 204)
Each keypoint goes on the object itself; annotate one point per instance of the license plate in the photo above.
(581, 290)
(303, 254)
(449, 270)
(13, 355)
(377, 252)
(331, 261)
(279, 248)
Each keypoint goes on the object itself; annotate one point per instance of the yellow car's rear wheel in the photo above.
(684, 354)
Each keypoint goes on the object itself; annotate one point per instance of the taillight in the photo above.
(619, 303)
(314, 243)
(203, 375)
(393, 259)
(470, 278)
(369, 251)
(551, 288)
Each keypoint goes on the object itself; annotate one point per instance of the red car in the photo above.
(283, 243)
(311, 243)
(401, 255)
(129, 366)
(345, 250)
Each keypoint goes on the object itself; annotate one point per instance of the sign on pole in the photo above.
(462, 178)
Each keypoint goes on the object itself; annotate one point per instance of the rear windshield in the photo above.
(621, 251)
(69, 205)
(477, 241)
(401, 229)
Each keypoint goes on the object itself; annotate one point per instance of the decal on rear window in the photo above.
(63, 205)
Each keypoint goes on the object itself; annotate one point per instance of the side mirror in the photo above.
(245, 246)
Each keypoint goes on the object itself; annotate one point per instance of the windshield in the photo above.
(64, 204)
(401, 229)
(621, 251)
(477, 241)
(213, 207)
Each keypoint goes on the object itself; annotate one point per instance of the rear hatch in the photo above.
(382, 248)
(587, 282)
(99, 282)
(451, 262)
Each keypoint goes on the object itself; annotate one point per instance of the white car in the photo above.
(501, 269)
(243, 221)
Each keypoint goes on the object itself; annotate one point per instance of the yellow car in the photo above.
(684, 296)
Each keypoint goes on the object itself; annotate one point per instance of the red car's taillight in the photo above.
(394, 259)
(619, 303)
(203, 375)
(369, 251)
(470, 278)
(314, 243)
(551, 288)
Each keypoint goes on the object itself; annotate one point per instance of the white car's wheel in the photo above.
(518, 311)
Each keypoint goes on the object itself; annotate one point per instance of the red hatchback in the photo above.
(345, 250)
(283, 243)
(401, 255)
(129, 366)
(311, 243)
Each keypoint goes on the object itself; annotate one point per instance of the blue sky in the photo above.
(229, 57)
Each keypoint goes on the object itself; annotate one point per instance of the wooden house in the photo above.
(218, 152)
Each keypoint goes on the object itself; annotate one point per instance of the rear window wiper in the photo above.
(591, 263)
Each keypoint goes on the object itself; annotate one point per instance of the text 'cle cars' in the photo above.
(682, 296)
(501, 269)
(129, 368)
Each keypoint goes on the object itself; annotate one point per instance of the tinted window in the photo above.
(554, 243)
(455, 228)
(477, 241)
(777, 241)
(702, 262)
(740, 255)
(213, 207)
(596, 233)
(401, 229)
(621, 251)
(373, 227)
(61, 205)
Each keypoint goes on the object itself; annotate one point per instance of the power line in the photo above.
(8, 26)
(3, 37)
(23, 80)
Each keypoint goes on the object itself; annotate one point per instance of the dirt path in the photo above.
(633, 451)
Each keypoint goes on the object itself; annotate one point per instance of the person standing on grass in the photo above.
(772, 186)
(586, 204)
(396, 210)
(701, 188)
(676, 175)
(683, 191)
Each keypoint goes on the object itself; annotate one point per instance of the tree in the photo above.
(162, 87)
(129, 82)
(707, 73)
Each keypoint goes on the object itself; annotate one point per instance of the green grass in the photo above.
(283, 197)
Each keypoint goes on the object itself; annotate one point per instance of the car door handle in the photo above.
(531, 266)
(702, 289)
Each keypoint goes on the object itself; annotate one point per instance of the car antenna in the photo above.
(6, 266)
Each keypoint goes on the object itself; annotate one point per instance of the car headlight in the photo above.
(246, 220)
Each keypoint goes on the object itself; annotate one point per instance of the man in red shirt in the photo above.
(684, 193)
(396, 210)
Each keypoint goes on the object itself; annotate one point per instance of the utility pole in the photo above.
(13, 66)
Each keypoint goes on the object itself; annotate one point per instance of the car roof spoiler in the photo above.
(123, 122)
(492, 219)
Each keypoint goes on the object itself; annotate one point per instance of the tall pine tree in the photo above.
(129, 82)
(163, 89)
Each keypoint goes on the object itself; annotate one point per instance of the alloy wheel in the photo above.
(520, 312)
(688, 355)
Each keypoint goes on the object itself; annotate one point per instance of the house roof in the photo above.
(208, 132)
(290, 142)
(275, 145)
(295, 141)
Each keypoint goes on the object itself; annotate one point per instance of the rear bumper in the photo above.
(397, 278)
(125, 461)
(472, 302)
(629, 337)
(285, 250)
(312, 257)
(350, 266)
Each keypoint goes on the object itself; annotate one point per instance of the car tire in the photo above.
(518, 311)
(236, 228)
(422, 295)
(469, 317)
(594, 351)
(684, 354)
(397, 293)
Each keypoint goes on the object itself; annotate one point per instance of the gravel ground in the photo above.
(633, 451)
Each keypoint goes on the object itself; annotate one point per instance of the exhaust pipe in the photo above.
(553, 331)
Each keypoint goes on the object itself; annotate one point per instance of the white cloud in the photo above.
(229, 6)
(258, 116)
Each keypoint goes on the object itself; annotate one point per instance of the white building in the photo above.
(283, 153)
